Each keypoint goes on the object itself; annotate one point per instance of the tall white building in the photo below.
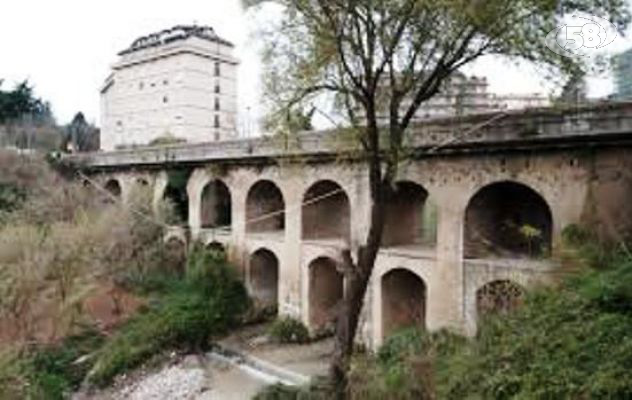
(178, 84)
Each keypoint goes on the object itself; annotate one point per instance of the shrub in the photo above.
(288, 330)
(571, 341)
(319, 389)
(47, 372)
(207, 302)
(53, 372)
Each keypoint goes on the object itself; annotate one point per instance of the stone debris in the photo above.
(176, 382)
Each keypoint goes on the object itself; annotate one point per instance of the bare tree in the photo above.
(391, 56)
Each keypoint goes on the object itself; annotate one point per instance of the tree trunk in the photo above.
(356, 284)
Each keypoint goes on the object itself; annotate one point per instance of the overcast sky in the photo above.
(65, 48)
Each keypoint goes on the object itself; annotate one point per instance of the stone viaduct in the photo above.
(480, 207)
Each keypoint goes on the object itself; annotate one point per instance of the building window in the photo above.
(217, 88)
(165, 82)
(217, 105)
(217, 136)
(217, 124)
(141, 85)
(217, 69)
(165, 99)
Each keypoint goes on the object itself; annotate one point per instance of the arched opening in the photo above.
(326, 212)
(326, 287)
(411, 220)
(264, 278)
(176, 194)
(508, 220)
(265, 208)
(113, 187)
(216, 206)
(498, 297)
(403, 301)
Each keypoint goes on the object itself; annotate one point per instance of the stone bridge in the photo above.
(478, 213)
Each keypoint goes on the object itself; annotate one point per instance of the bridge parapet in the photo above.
(532, 128)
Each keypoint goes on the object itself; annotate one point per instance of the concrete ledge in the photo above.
(267, 371)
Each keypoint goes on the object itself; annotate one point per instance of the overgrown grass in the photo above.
(208, 301)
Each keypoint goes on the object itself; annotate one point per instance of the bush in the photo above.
(54, 372)
(207, 302)
(47, 372)
(288, 330)
(317, 390)
(571, 341)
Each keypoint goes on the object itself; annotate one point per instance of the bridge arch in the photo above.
(264, 278)
(411, 218)
(404, 298)
(175, 193)
(507, 219)
(326, 289)
(326, 212)
(498, 297)
(265, 208)
(113, 186)
(216, 205)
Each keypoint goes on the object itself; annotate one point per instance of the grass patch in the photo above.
(207, 302)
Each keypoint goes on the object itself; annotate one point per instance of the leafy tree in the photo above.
(396, 55)
(574, 90)
(21, 101)
(296, 120)
(80, 135)
(26, 122)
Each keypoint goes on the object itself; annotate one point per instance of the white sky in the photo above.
(65, 48)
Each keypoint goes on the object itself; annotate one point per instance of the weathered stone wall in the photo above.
(576, 183)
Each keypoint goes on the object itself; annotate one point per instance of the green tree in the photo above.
(21, 101)
(395, 55)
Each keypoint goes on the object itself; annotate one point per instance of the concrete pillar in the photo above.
(239, 191)
(159, 189)
(290, 264)
(195, 186)
(445, 289)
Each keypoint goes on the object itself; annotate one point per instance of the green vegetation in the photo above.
(208, 301)
(288, 330)
(21, 101)
(319, 389)
(567, 341)
(570, 341)
(62, 246)
(48, 372)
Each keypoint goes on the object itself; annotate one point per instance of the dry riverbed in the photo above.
(204, 377)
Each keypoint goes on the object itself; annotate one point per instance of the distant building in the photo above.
(176, 85)
(463, 95)
(622, 71)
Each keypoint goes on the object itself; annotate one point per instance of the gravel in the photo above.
(175, 382)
